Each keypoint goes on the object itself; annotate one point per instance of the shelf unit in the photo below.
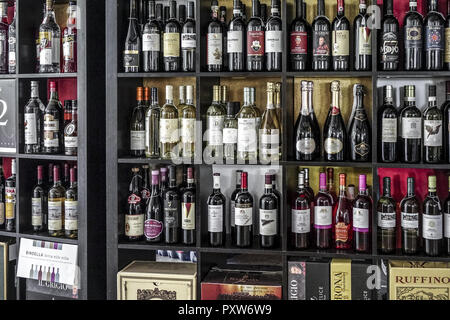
(88, 88)
(120, 99)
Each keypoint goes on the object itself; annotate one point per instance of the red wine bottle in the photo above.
(340, 42)
(387, 219)
(301, 216)
(321, 39)
(363, 39)
(216, 214)
(269, 216)
(189, 40)
(434, 37)
(236, 39)
(274, 38)
(215, 41)
(134, 217)
(171, 41)
(137, 126)
(2, 197)
(446, 113)
(412, 35)
(389, 39)
(151, 41)
(255, 40)
(342, 226)
(432, 220)
(362, 217)
(172, 212)
(334, 132)
(410, 128)
(299, 38)
(432, 129)
(447, 222)
(188, 209)
(387, 127)
(38, 203)
(323, 215)
(153, 225)
(243, 215)
(410, 211)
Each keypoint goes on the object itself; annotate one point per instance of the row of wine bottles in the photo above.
(409, 135)
(50, 129)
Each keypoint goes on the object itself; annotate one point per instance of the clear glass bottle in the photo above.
(152, 117)
(168, 124)
(269, 131)
(188, 127)
(215, 117)
(230, 132)
(247, 130)
(50, 40)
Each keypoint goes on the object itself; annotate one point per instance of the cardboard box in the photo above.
(349, 280)
(309, 280)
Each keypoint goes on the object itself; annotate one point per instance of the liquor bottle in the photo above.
(269, 131)
(230, 132)
(389, 39)
(410, 211)
(269, 216)
(363, 39)
(434, 37)
(340, 40)
(2, 196)
(447, 222)
(171, 41)
(432, 220)
(151, 41)
(307, 131)
(334, 133)
(274, 38)
(255, 40)
(12, 45)
(215, 41)
(189, 40)
(132, 50)
(412, 35)
(387, 127)
(153, 224)
(432, 129)
(71, 208)
(53, 122)
(236, 40)
(330, 184)
(243, 215)
(152, 119)
(247, 130)
(410, 128)
(188, 212)
(39, 203)
(56, 197)
(216, 214)
(71, 133)
(4, 38)
(301, 216)
(137, 126)
(223, 22)
(188, 127)
(360, 133)
(342, 224)
(50, 40)
(172, 209)
(69, 41)
(447, 39)
(323, 215)
(362, 217)
(387, 219)
(446, 113)
(321, 28)
(10, 199)
(299, 38)
(33, 121)
(168, 126)
(215, 117)
(134, 217)
(181, 13)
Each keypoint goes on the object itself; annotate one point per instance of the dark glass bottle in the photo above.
(151, 41)
(340, 42)
(216, 214)
(189, 40)
(389, 39)
(447, 222)
(71, 132)
(53, 122)
(56, 197)
(137, 126)
(230, 219)
(434, 37)
(132, 50)
(323, 215)
(446, 125)
(269, 216)
(299, 40)
(255, 40)
(342, 216)
(412, 37)
(171, 41)
(172, 209)
(387, 219)
(134, 216)
(236, 39)
(223, 22)
(4, 37)
(363, 39)
(39, 203)
(360, 132)
(215, 44)
(432, 129)
(410, 217)
(410, 128)
(274, 38)
(188, 211)
(308, 189)
(301, 216)
(334, 133)
(243, 215)
(153, 225)
(321, 28)
(181, 13)
(362, 217)
(387, 127)
(33, 121)
(11, 199)
(432, 220)
(145, 186)
(447, 39)
(71, 208)
(2, 196)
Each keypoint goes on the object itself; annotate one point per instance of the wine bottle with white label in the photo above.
(410, 217)
(56, 196)
(247, 130)
(39, 203)
(171, 41)
(269, 216)
(410, 128)
(188, 224)
(151, 41)
(53, 122)
(387, 127)
(432, 129)
(363, 39)
(236, 39)
(215, 43)
(168, 127)
(137, 126)
(216, 214)
(230, 130)
(340, 39)
(50, 40)
(323, 215)
(134, 216)
(215, 117)
(71, 208)
(33, 121)
(335, 133)
(188, 127)
(243, 215)
(301, 216)
(432, 224)
(387, 219)
(189, 40)
(274, 38)
(362, 217)
(270, 130)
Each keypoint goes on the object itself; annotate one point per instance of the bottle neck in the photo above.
(413, 5)
(214, 12)
(305, 102)
(299, 9)
(387, 189)
(270, 100)
(216, 183)
(433, 5)
(320, 8)
(432, 101)
(389, 8)
(34, 91)
(340, 8)
(410, 188)
(151, 10)
(133, 15)
(335, 103)
(53, 94)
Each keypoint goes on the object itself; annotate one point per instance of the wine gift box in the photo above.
(150, 280)
(349, 280)
(309, 280)
(417, 280)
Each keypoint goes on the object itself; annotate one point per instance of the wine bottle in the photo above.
(434, 37)
(387, 219)
(141, 14)
(236, 39)
(153, 225)
(137, 126)
(321, 39)
(215, 117)
(152, 119)
(188, 212)
(330, 184)
(33, 121)
(171, 41)
(307, 129)
(360, 133)
(269, 131)
(252, 102)
(274, 38)
(181, 13)
(412, 35)
(255, 40)
(4, 38)
(132, 50)
(230, 219)
(340, 42)
(189, 40)
(342, 224)
(215, 41)
(39, 203)
(275, 191)
(387, 127)
(410, 128)
(230, 133)
(323, 215)
(432, 129)
(168, 127)
(269, 216)
(301, 216)
(410, 211)
(50, 40)
(188, 126)
(446, 125)
(447, 222)
(308, 189)
(145, 185)
(71, 208)
(263, 12)
(279, 113)
(432, 220)
(172, 212)
(389, 39)
(363, 39)
(134, 216)
(151, 41)
(71, 132)
(12, 45)
(2, 196)
(163, 185)
(243, 215)
(299, 38)
(216, 214)
(69, 42)
(447, 39)
(11, 199)
(362, 217)
(334, 133)
(247, 130)
(56, 205)
(53, 122)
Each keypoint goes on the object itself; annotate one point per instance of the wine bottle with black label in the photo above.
(412, 35)
(389, 39)
(434, 37)
(334, 133)
(236, 39)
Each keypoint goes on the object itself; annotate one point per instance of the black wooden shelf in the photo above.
(47, 75)
(142, 245)
(412, 74)
(45, 237)
(156, 74)
(5, 233)
(329, 74)
(55, 157)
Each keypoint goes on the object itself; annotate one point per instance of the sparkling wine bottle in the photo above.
(360, 132)
(334, 133)
(269, 130)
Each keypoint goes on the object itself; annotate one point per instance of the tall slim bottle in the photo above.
(236, 39)
(137, 126)
(342, 224)
(216, 214)
(432, 217)
(387, 219)
(299, 39)
(171, 41)
(389, 48)
(152, 119)
(172, 209)
(269, 131)
(410, 217)
(434, 37)
(11, 199)
(446, 125)
(33, 121)
(274, 38)
(2, 196)
(247, 130)
(56, 197)
(189, 40)
(340, 42)
(432, 129)
(323, 215)
(362, 217)
(321, 29)
(168, 127)
(413, 39)
(151, 41)
(387, 128)
(71, 208)
(39, 203)
(50, 39)
(243, 215)
(188, 125)
(360, 132)
(363, 39)
(410, 128)
(188, 212)
(215, 117)
(12, 45)
(69, 42)
(153, 224)
(269, 216)
(335, 133)
(53, 122)
(447, 222)
(134, 216)
(215, 44)
(255, 40)
(301, 216)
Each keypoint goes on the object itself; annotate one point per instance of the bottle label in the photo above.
(51, 131)
(432, 226)
(171, 44)
(434, 38)
(447, 45)
(71, 142)
(299, 42)
(333, 145)
(410, 220)
(413, 37)
(268, 222)
(342, 231)
(389, 130)
(306, 145)
(243, 216)
(55, 209)
(389, 47)
(131, 58)
(432, 133)
(387, 219)
(171, 210)
(188, 216)
(215, 218)
(71, 215)
(30, 128)
(447, 225)
(36, 212)
(411, 128)
(187, 130)
(274, 41)
(2, 213)
(215, 48)
(340, 41)
(362, 149)
(247, 141)
(152, 228)
(255, 43)
(50, 51)
(360, 220)
(188, 41)
(137, 140)
(321, 43)
(269, 143)
(134, 225)
(215, 128)
(151, 42)
(365, 41)
(230, 135)
(234, 41)
(301, 221)
(69, 43)
(168, 130)
(322, 217)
